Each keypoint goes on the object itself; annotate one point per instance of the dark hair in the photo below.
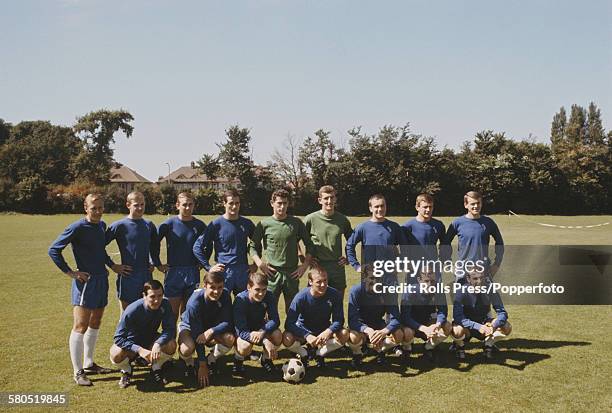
(230, 192)
(152, 285)
(376, 196)
(279, 193)
(257, 278)
(316, 269)
(213, 278)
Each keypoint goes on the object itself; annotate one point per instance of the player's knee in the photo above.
(446, 328)
(408, 334)
(169, 347)
(355, 337)
(288, 339)
(506, 328)
(228, 339)
(342, 335)
(95, 319)
(276, 337)
(458, 331)
(117, 355)
(398, 336)
(243, 347)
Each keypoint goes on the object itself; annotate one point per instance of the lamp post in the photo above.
(168, 163)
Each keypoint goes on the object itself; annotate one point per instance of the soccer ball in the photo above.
(293, 371)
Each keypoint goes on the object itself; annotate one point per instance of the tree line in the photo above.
(46, 168)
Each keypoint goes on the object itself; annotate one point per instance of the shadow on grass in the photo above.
(512, 354)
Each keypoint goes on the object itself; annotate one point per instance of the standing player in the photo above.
(207, 320)
(326, 228)
(308, 319)
(471, 316)
(229, 235)
(136, 238)
(280, 235)
(423, 314)
(366, 312)
(424, 233)
(475, 231)
(256, 321)
(137, 334)
(182, 274)
(377, 232)
(89, 284)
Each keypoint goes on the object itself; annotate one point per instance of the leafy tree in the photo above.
(97, 130)
(168, 199)
(209, 165)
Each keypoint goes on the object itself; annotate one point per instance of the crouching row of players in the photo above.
(313, 328)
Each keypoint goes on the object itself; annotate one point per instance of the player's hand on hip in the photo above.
(267, 269)
(342, 261)
(121, 269)
(80, 276)
(217, 268)
(297, 274)
(493, 270)
(203, 379)
(163, 268)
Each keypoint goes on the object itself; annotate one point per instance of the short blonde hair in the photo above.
(185, 195)
(326, 189)
(92, 197)
(133, 195)
(423, 197)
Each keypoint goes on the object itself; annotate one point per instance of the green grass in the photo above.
(558, 358)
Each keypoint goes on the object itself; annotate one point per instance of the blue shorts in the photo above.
(236, 278)
(180, 282)
(91, 294)
(129, 288)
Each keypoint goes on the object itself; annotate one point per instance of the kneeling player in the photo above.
(471, 316)
(308, 319)
(207, 321)
(137, 334)
(424, 316)
(256, 322)
(366, 313)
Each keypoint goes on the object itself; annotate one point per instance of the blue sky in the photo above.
(188, 70)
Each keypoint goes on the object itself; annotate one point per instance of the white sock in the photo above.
(188, 360)
(331, 345)
(297, 348)
(124, 365)
(388, 344)
(264, 354)
(355, 348)
(217, 352)
(163, 357)
(238, 356)
(75, 344)
(89, 345)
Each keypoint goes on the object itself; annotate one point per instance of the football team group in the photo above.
(282, 249)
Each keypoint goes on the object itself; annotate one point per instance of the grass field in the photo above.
(558, 358)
